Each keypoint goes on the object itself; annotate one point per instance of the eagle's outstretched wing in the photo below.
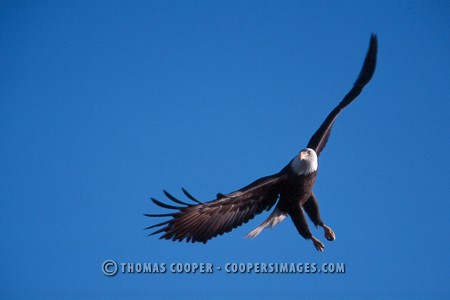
(320, 137)
(201, 222)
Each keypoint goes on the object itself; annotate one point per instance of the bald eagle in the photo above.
(291, 190)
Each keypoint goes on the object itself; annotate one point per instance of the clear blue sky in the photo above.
(104, 104)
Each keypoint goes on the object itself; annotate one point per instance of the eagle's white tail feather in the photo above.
(275, 217)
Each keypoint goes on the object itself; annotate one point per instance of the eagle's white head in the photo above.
(305, 162)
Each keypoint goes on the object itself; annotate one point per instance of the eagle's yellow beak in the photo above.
(302, 155)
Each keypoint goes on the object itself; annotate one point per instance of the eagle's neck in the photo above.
(305, 166)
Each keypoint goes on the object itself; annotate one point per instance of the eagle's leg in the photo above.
(318, 244)
(311, 206)
(299, 219)
(329, 234)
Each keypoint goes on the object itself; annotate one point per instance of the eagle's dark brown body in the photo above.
(295, 195)
(296, 189)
